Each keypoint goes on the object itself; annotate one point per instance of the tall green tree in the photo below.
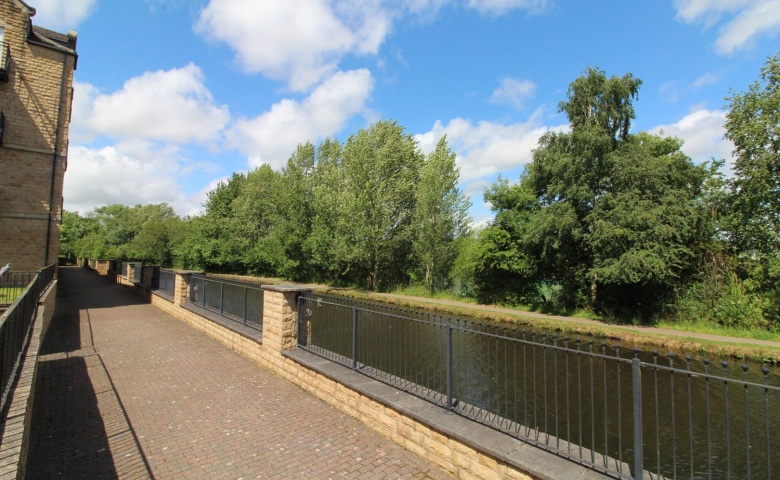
(753, 125)
(381, 167)
(211, 241)
(257, 218)
(296, 211)
(753, 220)
(327, 250)
(602, 218)
(440, 216)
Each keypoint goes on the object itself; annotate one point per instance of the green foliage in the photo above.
(143, 232)
(210, 241)
(601, 219)
(373, 233)
(440, 217)
(753, 125)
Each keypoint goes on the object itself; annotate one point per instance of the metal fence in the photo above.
(166, 280)
(12, 284)
(16, 321)
(615, 411)
(124, 269)
(238, 301)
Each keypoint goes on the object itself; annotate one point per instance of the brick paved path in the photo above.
(126, 391)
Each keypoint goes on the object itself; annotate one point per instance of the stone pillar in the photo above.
(280, 316)
(181, 285)
(130, 272)
(102, 267)
(148, 276)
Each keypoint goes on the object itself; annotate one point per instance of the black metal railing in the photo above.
(16, 321)
(166, 280)
(238, 301)
(12, 284)
(613, 410)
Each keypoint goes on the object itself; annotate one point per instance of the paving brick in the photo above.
(127, 391)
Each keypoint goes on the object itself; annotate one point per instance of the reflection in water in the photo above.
(573, 396)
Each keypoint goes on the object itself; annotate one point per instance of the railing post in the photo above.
(354, 337)
(449, 368)
(221, 298)
(636, 374)
(244, 312)
(181, 286)
(280, 317)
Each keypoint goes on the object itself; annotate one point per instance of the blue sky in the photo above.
(173, 96)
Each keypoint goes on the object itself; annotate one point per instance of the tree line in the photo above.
(618, 223)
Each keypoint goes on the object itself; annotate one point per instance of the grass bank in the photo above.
(695, 339)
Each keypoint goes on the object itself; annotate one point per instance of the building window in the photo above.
(5, 57)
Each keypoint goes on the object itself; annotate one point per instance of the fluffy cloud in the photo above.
(61, 15)
(272, 137)
(513, 92)
(499, 7)
(173, 106)
(702, 133)
(298, 41)
(127, 173)
(706, 79)
(747, 19)
(487, 148)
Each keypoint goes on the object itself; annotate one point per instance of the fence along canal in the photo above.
(614, 409)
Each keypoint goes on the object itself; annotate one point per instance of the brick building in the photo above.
(36, 84)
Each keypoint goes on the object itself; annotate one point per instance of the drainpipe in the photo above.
(57, 133)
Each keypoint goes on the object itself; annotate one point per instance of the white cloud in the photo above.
(425, 8)
(513, 92)
(272, 137)
(172, 105)
(706, 79)
(747, 20)
(669, 92)
(127, 173)
(487, 148)
(297, 41)
(499, 7)
(702, 132)
(61, 15)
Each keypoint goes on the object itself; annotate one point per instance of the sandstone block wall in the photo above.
(36, 103)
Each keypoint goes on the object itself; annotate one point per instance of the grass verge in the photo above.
(644, 338)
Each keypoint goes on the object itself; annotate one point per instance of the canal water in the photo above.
(570, 395)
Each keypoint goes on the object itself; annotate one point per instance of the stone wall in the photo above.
(36, 103)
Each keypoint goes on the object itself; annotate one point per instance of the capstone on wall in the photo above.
(36, 104)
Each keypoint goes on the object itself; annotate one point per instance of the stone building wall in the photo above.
(36, 104)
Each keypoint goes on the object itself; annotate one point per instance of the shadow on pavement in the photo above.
(79, 427)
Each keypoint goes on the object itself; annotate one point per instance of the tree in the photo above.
(602, 218)
(256, 221)
(440, 216)
(380, 173)
(296, 204)
(753, 125)
(753, 219)
(73, 230)
(211, 242)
